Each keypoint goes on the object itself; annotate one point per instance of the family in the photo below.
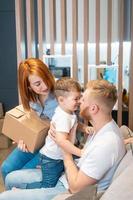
(59, 165)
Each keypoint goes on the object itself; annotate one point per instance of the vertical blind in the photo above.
(75, 22)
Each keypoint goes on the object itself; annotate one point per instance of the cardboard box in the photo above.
(19, 125)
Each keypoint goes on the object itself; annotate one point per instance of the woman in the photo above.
(36, 85)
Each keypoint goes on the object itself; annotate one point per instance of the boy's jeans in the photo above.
(51, 172)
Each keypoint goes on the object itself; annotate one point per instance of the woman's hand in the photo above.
(22, 146)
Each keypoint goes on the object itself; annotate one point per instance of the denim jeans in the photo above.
(51, 172)
(33, 194)
(18, 160)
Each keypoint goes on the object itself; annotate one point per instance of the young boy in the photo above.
(68, 93)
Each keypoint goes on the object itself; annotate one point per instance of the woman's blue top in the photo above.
(48, 109)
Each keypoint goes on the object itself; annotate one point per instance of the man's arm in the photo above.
(77, 180)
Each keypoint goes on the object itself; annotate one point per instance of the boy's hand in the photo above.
(88, 130)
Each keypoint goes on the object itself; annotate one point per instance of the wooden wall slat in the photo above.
(19, 33)
(130, 123)
(85, 39)
(120, 61)
(29, 27)
(63, 25)
(109, 32)
(52, 25)
(74, 39)
(40, 28)
(19, 30)
(97, 34)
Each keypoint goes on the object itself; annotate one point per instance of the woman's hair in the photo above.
(33, 66)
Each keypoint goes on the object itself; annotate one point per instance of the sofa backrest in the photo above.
(125, 162)
(128, 158)
(122, 186)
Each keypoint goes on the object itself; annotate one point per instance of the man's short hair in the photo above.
(65, 85)
(104, 91)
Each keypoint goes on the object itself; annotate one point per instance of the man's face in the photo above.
(85, 103)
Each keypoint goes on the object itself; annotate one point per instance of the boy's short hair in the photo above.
(65, 85)
(104, 91)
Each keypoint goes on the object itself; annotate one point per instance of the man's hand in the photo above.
(72, 134)
(22, 146)
(52, 131)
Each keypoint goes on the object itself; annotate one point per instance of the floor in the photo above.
(3, 154)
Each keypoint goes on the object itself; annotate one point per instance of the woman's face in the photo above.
(38, 85)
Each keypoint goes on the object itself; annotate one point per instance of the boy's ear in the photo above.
(60, 99)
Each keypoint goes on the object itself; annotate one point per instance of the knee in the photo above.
(9, 181)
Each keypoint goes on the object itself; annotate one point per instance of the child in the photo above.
(67, 92)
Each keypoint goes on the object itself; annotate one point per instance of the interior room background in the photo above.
(93, 37)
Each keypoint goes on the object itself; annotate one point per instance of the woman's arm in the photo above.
(128, 140)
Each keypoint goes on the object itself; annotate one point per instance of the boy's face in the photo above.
(70, 102)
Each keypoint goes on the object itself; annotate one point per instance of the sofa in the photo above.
(121, 187)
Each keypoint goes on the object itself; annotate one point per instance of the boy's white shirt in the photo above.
(64, 122)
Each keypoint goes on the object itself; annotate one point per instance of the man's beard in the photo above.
(85, 114)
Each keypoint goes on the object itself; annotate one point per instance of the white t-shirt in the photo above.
(64, 123)
(103, 152)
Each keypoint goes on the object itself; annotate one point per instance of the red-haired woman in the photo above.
(36, 85)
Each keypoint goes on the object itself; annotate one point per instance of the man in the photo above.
(105, 148)
(102, 152)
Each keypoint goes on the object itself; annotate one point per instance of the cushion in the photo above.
(88, 193)
(62, 196)
(122, 186)
(126, 132)
(125, 162)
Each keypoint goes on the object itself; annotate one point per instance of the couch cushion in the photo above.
(88, 193)
(122, 186)
(125, 162)
(126, 132)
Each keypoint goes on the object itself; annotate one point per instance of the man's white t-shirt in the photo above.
(63, 123)
(103, 152)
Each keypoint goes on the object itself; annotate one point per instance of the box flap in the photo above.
(16, 113)
(21, 108)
